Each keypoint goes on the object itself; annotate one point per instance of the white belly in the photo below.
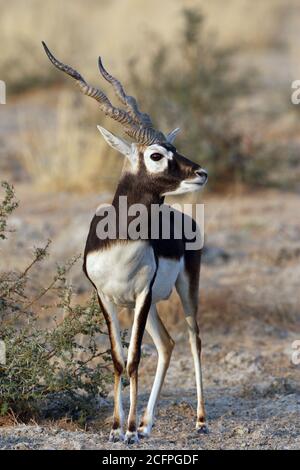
(124, 270)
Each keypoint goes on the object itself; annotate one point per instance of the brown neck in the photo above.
(138, 190)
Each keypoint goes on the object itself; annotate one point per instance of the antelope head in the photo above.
(151, 156)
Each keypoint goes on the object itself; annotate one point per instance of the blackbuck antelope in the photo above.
(138, 273)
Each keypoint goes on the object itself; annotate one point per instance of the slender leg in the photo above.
(189, 299)
(109, 312)
(134, 354)
(164, 345)
(195, 343)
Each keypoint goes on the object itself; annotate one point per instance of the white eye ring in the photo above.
(154, 165)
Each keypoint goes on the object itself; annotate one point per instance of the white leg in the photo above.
(189, 299)
(195, 343)
(110, 314)
(142, 307)
(164, 345)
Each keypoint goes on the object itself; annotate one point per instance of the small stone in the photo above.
(78, 446)
(22, 446)
(239, 431)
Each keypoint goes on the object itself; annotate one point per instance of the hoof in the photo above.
(116, 435)
(144, 431)
(201, 428)
(131, 438)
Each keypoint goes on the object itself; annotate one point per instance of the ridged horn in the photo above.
(135, 124)
(128, 101)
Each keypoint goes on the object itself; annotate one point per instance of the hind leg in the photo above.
(187, 287)
(164, 345)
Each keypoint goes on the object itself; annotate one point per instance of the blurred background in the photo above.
(222, 72)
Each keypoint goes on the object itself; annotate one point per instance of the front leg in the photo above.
(142, 307)
(110, 315)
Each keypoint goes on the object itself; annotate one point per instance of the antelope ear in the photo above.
(116, 143)
(172, 135)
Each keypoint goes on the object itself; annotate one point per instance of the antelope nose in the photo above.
(202, 174)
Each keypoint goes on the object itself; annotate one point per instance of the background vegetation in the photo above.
(203, 73)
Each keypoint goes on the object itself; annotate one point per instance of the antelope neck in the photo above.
(138, 190)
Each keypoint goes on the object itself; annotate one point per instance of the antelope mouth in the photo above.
(195, 183)
(198, 182)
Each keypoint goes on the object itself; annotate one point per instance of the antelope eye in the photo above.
(156, 157)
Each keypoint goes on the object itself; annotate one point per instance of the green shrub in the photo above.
(62, 364)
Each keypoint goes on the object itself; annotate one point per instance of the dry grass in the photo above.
(251, 294)
(244, 23)
(61, 151)
(60, 147)
(80, 31)
(268, 297)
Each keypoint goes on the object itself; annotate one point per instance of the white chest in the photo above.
(123, 270)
